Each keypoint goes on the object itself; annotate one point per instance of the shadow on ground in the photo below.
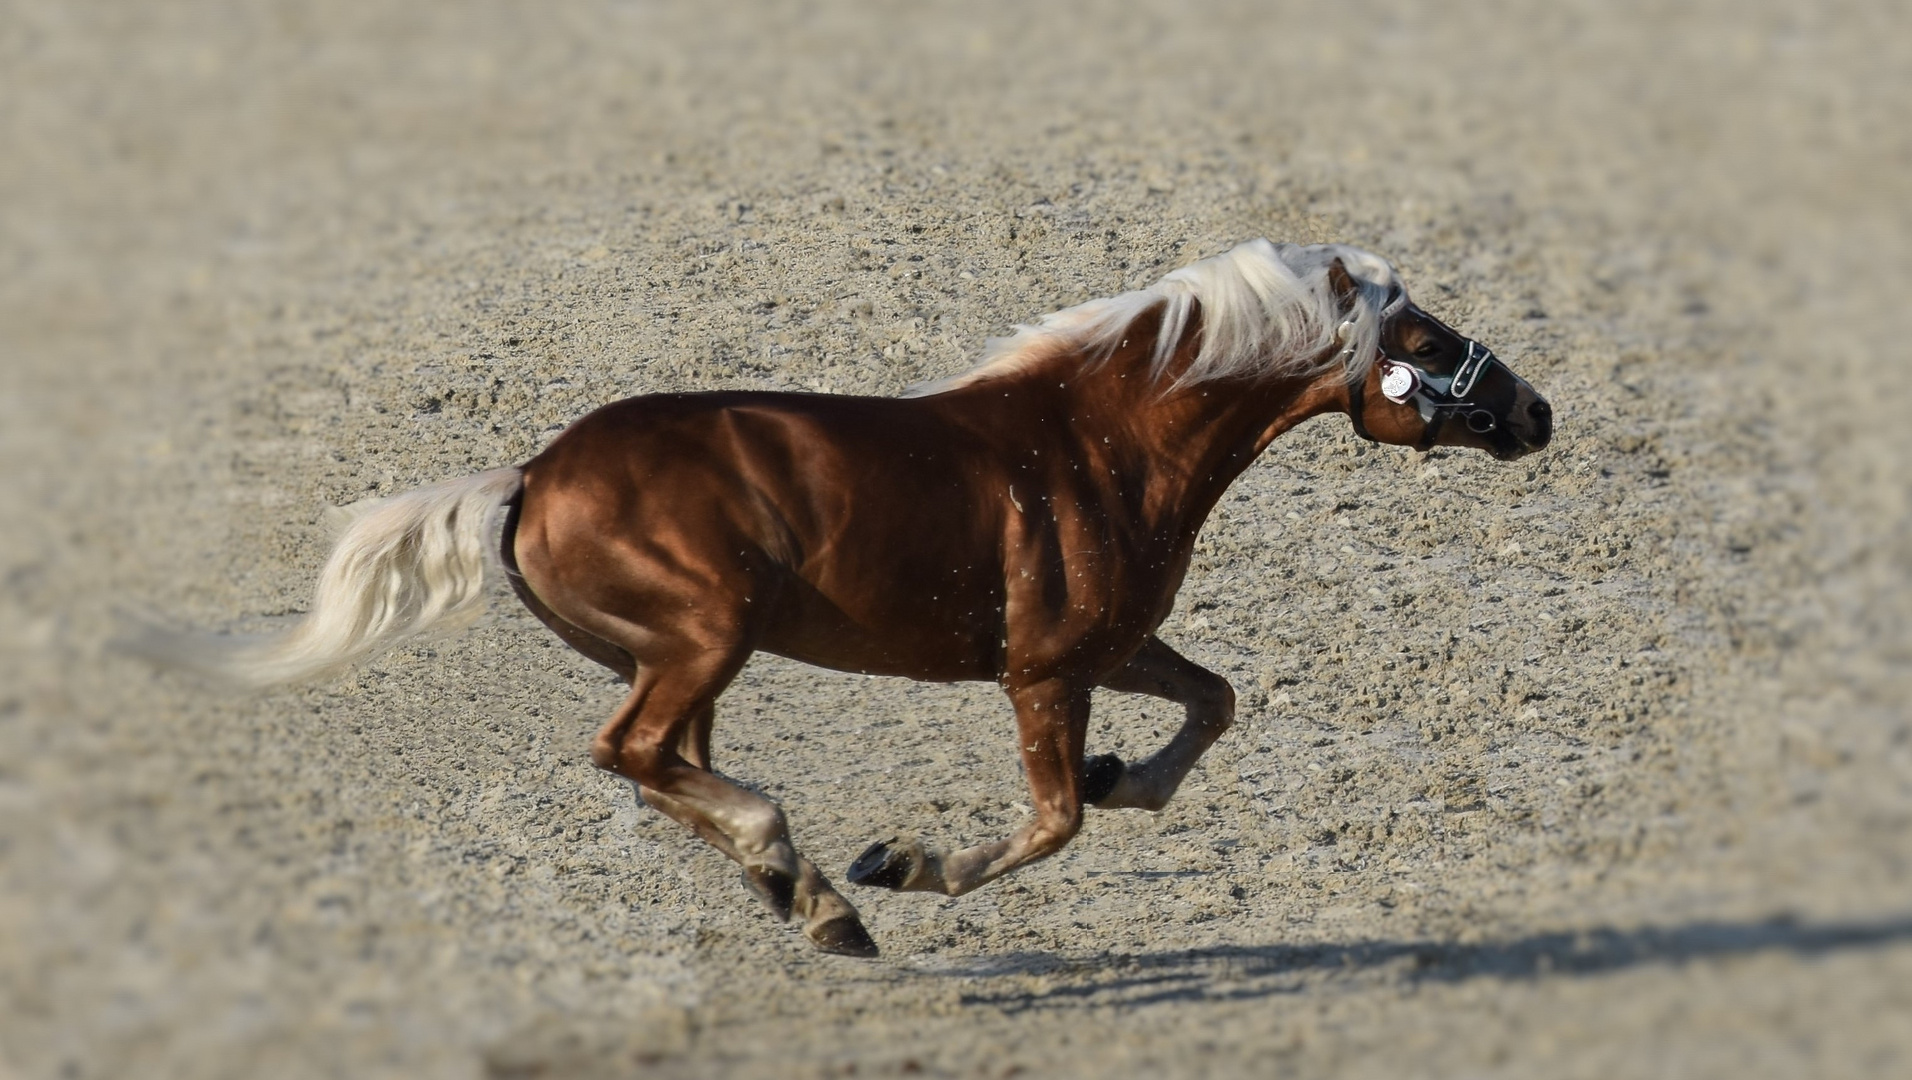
(1247, 972)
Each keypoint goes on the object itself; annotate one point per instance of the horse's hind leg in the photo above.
(1160, 671)
(1051, 719)
(695, 742)
(660, 739)
(588, 644)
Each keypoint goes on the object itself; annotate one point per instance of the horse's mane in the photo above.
(1267, 310)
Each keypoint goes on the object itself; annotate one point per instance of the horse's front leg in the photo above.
(1051, 720)
(1160, 671)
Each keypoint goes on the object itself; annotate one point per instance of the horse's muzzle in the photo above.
(1528, 423)
(1527, 427)
(1537, 430)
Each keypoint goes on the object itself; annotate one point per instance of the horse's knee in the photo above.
(604, 755)
(1053, 831)
(1214, 704)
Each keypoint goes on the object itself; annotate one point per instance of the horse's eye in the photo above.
(1427, 350)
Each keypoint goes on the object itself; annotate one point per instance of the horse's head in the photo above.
(1432, 387)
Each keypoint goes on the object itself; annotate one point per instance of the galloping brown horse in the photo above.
(1026, 523)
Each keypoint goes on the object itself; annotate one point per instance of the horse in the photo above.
(1027, 522)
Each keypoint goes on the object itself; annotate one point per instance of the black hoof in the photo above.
(775, 888)
(1100, 774)
(881, 867)
(844, 936)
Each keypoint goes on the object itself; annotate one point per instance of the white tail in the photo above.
(405, 565)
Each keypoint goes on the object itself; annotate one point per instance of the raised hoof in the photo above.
(881, 866)
(775, 888)
(1100, 774)
(844, 936)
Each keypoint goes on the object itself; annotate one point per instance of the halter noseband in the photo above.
(1435, 397)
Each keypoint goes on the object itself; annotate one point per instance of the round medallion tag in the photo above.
(1398, 382)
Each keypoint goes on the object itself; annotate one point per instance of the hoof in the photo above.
(882, 867)
(775, 888)
(844, 936)
(1100, 774)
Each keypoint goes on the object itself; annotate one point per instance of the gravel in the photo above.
(1594, 764)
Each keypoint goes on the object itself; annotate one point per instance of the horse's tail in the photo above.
(405, 565)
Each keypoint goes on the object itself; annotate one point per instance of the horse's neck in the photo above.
(1170, 451)
(1192, 441)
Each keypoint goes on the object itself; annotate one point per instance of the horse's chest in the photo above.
(1097, 594)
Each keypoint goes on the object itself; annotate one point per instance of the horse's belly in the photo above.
(951, 665)
(930, 637)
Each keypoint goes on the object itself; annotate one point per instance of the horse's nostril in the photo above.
(1540, 415)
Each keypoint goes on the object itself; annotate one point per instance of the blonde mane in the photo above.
(1267, 310)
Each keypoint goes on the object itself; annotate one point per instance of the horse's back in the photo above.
(817, 518)
(813, 456)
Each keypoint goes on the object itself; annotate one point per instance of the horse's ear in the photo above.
(1342, 282)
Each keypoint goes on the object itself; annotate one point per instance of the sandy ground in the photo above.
(1595, 765)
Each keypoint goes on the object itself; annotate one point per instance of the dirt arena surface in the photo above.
(1597, 764)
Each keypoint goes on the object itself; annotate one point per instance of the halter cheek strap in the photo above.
(1430, 432)
(1357, 403)
(1356, 400)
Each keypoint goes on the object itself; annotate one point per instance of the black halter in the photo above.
(1435, 397)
